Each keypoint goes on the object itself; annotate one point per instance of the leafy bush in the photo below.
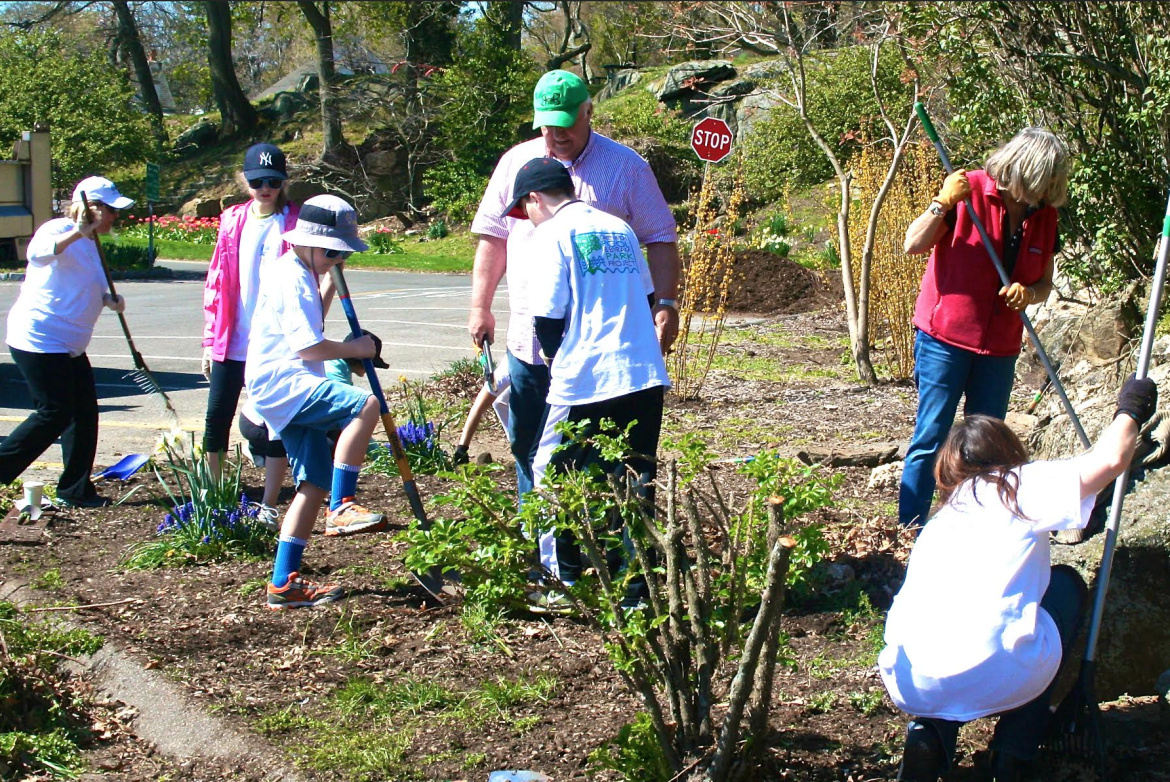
(126, 257)
(635, 753)
(420, 438)
(779, 150)
(437, 230)
(636, 112)
(454, 189)
(87, 103)
(210, 519)
(383, 241)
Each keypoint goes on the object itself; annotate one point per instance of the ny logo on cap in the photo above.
(266, 158)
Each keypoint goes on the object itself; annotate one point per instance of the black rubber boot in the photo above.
(923, 759)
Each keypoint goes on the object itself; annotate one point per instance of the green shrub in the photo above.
(637, 112)
(126, 257)
(779, 150)
(438, 230)
(454, 189)
(635, 753)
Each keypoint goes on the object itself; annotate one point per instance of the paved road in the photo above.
(421, 319)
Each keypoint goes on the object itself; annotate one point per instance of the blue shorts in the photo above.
(331, 406)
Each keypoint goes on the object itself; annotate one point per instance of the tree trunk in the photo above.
(237, 114)
(318, 18)
(132, 43)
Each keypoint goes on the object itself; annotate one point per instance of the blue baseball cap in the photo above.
(262, 160)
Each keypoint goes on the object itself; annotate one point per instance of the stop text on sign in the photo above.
(711, 139)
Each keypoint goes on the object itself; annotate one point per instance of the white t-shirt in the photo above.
(586, 266)
(966, 635)
(61, 296)
(259, 244)
(287, 320)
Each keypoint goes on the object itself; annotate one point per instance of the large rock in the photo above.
(685, 80)
(203, 133)
(618, 80)
(1134, 645)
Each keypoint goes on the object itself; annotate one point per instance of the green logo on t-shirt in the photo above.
(605, 252)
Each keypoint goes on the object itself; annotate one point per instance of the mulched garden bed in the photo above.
(275, 672)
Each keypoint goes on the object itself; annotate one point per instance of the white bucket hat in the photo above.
(98, 188)
(327, 221)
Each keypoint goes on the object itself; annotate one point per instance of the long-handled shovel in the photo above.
(141, 376)
(1076, 724)
(928, 126)
(432, 580)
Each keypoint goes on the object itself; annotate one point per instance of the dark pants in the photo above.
(1020, 731)
(645, 409)
(526, 412)
(64, 405)
(943, 374)
(227, 381)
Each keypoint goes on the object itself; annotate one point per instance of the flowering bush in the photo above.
(195, 230)
(384, 242)
(773, 242)
(210, 518)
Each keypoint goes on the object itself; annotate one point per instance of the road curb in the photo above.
(166, 718)
(157, 273)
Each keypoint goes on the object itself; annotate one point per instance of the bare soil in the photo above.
(206, 627)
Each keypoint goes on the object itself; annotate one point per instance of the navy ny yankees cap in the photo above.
(263, 160)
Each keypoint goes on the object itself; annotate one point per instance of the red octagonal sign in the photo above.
(711, 139)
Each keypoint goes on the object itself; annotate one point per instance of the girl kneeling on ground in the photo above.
(982, 621)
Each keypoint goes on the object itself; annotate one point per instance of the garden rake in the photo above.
(1076, 725)
(140, 375)
(928, 126)
(431, 580)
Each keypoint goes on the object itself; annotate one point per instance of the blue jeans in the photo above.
(526, 412)
(943, 373)
(1020, 731)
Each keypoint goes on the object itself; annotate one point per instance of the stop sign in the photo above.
(711, 139)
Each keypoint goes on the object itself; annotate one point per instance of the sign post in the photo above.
(152, 182)
(711, 139)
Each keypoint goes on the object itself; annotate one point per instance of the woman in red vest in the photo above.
(968, 325)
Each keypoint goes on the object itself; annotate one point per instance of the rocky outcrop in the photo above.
(689, 78)
(1134, 646)
(203, 133)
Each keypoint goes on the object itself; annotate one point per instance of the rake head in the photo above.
(142, 378)
(1075, 731)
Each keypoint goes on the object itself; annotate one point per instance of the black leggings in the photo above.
(227, 380)
(64, 405)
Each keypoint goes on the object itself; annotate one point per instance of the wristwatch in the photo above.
(936, 209)
(672, 303)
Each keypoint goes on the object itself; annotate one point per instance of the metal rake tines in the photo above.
(1076, 732)
(144, 381)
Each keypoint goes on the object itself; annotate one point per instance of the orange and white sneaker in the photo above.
(301, 592)
(351, 518)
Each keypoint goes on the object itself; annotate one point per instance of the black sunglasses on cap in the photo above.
(342, 254)
(271, 181)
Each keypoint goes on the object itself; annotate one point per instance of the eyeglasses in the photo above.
(342, 254)
(271, 181)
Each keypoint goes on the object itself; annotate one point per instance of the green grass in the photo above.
(454, 253)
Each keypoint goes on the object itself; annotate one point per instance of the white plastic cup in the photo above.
(33, 491)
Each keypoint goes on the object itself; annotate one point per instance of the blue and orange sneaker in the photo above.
(301, 592)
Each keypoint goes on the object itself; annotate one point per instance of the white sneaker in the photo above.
(267, 517)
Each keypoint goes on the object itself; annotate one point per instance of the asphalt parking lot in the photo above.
(421, 319)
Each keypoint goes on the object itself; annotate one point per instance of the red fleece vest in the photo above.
(959, 302)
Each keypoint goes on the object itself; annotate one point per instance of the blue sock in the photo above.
(288, 559)
(344, 483)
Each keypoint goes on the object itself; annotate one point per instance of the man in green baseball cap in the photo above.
(556, 99)
(606, 175)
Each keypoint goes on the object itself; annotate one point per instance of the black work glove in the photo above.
(1138, 399)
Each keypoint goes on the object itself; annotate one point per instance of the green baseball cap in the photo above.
(556, 99)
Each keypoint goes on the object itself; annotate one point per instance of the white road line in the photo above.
(418, 323)
(142, 337)
(153, 358)
(467, 349)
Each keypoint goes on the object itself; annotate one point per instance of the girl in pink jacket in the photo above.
(249, 236)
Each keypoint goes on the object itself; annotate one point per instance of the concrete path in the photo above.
(421, 319)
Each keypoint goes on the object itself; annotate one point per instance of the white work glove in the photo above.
(116, 303)
(205, 364)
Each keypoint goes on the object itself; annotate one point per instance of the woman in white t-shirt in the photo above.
(49, 328)
(249, 236)
(981, 624)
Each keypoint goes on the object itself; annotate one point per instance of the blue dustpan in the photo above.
(124, 468)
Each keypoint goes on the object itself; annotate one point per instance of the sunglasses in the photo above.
(271, 181)
(342, 254)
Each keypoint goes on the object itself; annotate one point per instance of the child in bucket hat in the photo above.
(287, 386)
